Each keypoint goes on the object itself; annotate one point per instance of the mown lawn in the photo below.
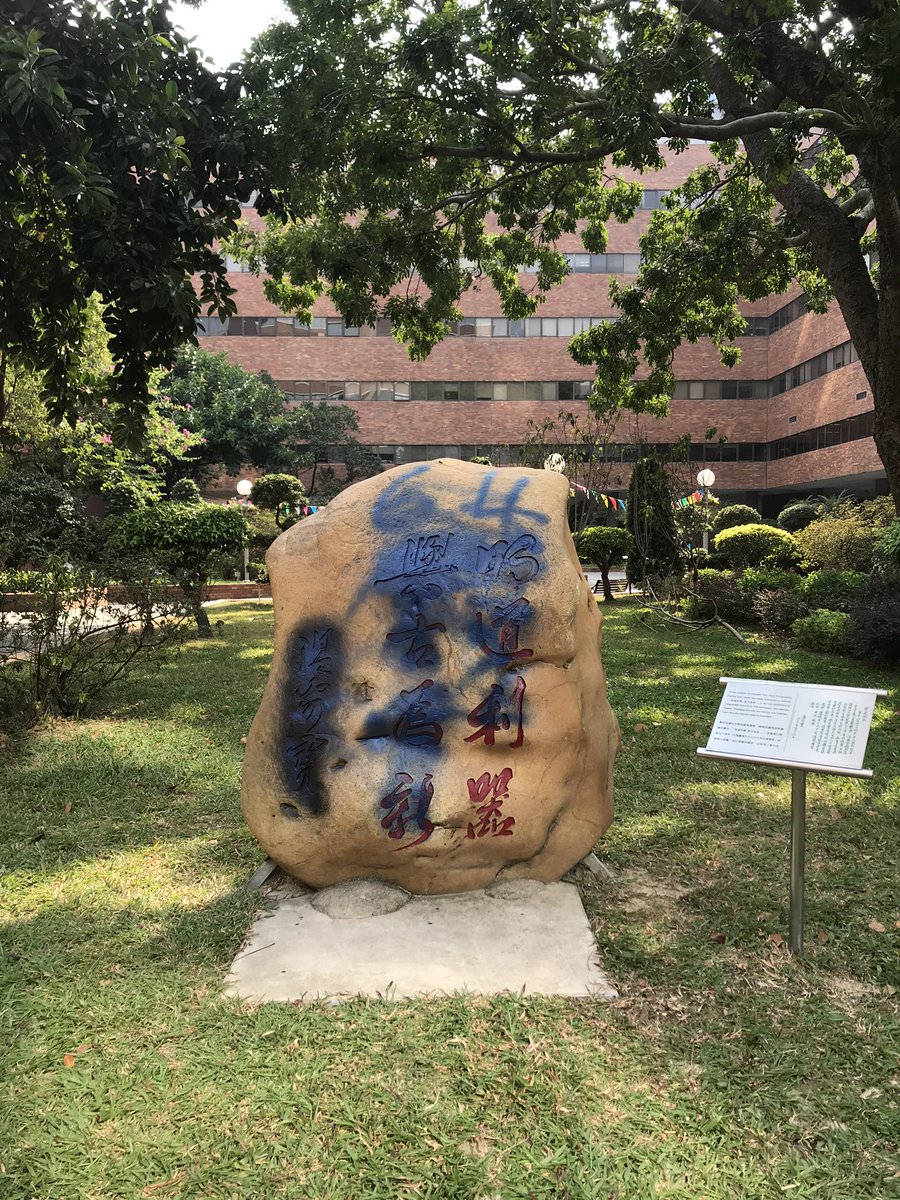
(725, 1070)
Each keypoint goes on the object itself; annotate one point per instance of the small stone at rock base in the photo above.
(359, 898)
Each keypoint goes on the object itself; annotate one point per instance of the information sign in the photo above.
(793, 725)
(801, 726)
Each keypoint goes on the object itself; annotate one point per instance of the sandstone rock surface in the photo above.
(436, 711)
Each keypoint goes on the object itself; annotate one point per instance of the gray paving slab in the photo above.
(531, 938)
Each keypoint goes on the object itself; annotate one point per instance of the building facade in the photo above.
(794, 417)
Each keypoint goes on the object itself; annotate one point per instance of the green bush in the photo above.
(185, 491)
(834, 591)
(281, 494)
(839, 543)
(733, 515)
(262, 531)
(888, 548)
(797, 516)
(772, 579)
(755, 545)
(717, 594)
(823, 630)
(186, 542)
(38, 518)
(258, 572)
(777, 610)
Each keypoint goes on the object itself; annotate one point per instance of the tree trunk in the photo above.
(887, 433)
(194, 593)
(604, 575)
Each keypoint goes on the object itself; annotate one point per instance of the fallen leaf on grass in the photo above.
(68, 1060)
(870, 1094)
(821, 937)
(67, 808)
(153, 1188)
(834, 814)
(640, 729)
(776, 939)
(719, 938)
(876, 927)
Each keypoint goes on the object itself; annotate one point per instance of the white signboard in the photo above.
(801, 725)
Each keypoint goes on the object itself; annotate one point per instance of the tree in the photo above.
(579, 441)
(693, 523)
(280, 494)
(436, 126)
(240, 414)
(185, 541)
(243, 420)
(650, 521)
(123, 161)
(604, 545)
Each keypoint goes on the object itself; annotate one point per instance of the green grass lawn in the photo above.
(725, 1070)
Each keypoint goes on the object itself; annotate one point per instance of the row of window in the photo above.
(596, 264)
(481, 327)
(441, 390)
(834, 434)
(813, 368)
(355, 392)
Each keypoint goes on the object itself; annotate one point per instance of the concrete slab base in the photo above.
(528, 937)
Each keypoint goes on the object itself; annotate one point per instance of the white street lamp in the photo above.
(244, 488)
(706, 478)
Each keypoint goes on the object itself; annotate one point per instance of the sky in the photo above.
(223, 29)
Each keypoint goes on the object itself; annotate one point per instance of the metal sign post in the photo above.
(798, 860)
(803, 727)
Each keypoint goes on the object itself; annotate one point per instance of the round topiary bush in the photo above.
(733, 515)
(797, 516)
(753, 545)
(185, 491)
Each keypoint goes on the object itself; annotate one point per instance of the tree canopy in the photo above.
(123, 160)
(463, 140)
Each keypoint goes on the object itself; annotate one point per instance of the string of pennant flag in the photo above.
(599, 497)
(693, 498)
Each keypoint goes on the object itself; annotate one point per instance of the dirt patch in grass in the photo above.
(648, 894)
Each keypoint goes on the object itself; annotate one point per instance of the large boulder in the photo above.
(436, 711)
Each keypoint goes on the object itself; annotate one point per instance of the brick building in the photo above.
(794, 417)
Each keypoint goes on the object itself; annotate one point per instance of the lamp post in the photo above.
(243, 489)
(706, 478)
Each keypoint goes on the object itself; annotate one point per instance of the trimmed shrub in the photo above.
(797, 516)
(754, 545)
(604, 545)
(832, 591)
(733, 515)
(185, 491)
(771, 579)
(777, 611)
(718, 594)
(823, 630)
(843, 543)
(281, 494)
